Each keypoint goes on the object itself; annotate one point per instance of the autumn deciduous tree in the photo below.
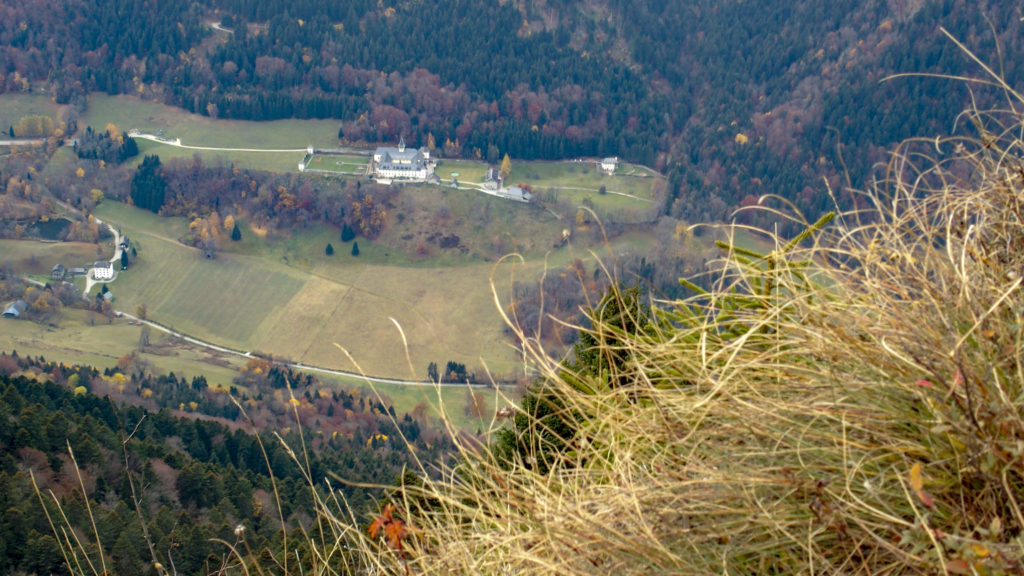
(506, 167)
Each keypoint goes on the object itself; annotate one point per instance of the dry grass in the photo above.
(851, 402)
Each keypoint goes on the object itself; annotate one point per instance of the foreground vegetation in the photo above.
(849, 402)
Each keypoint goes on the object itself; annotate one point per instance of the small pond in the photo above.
(51, 229)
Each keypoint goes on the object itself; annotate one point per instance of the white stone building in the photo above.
(103, 270)
(608, 165)
(401, 163)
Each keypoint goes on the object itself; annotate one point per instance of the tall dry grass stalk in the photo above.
(850, 402)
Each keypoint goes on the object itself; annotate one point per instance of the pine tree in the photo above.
(236, 234)
(347, 234)
(355, 248)
(329, 250)
(148, 184)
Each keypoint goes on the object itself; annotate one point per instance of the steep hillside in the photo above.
(733, 99)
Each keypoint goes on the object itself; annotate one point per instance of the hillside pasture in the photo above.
(128, 112)
(77, 339)
(585, 176)
(259, 300)
(226, 300)
(269, 161)
(38, 258)
(347, 165)
(13, 106)
(464, 171)
(487, 228)
(83, 337)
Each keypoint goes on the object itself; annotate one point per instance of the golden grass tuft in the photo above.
(851, 402)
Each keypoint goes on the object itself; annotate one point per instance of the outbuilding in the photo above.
(16, 309)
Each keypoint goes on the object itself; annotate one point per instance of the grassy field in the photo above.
(14, 106)
(463, 170)
(288, 298)
(341, 164)
(127, 112)
(631, 180)
(77, 341)
(269, 161)
(38, 258)
(74, 340)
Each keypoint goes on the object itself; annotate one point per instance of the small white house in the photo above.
(103, 270)
(608, 165)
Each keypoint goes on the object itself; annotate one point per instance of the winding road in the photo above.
(177, 143)
(293, 365)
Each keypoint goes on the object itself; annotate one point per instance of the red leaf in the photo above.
(958, 566)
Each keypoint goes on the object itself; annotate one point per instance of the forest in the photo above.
(732, 100)
(184, 457)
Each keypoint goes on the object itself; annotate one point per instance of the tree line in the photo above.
(195, 479)
(731, 101)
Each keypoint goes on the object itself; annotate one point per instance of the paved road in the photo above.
(22, 142)
(219, 28)
(177, 143)
(293, 365)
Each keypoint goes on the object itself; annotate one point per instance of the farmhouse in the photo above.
(401, 163)
(608, 165)
(16, 309)
(103, 270)
(492, 180)
(58, 272)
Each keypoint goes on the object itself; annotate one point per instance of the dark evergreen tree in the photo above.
(355, 248)
(329, 250)
(236, 234)
(148, 184)
(546, 426)
(347, 233)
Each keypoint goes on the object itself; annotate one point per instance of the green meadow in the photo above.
(300, 304)
(81, 337)
(14, 106)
